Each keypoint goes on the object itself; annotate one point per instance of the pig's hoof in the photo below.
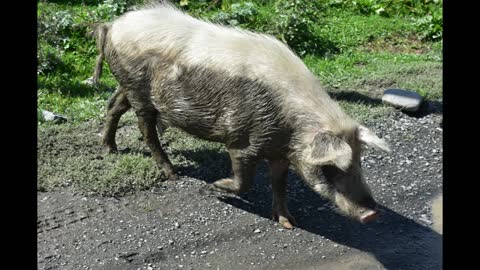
(286, 224)
(172, 176)
(369, 216)
(287, 221)
(110, 150)
(109, 147)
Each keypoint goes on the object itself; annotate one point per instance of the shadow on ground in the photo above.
(211, 164)
(395, 241)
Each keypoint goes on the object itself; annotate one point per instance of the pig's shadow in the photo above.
(210, 165)
(396, 241)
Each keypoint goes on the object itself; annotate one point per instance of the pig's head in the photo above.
(331, 165)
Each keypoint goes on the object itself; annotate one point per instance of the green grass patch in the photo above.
(348, 30)
(371, 73)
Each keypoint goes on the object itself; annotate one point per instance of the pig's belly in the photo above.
(201, 122)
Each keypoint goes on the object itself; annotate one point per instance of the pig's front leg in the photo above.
(244, 168)
(279, 175)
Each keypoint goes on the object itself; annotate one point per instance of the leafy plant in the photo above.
(431, 25)
(109, 9)
(53, 27)
(295, 25)
(238, 14)
(47, 59)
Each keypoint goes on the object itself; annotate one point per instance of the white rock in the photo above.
(404, 99)
(50, 116)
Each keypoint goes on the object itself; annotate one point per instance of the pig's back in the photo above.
(192, 42)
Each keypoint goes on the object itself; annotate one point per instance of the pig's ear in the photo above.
(328, 149)
(367, 137)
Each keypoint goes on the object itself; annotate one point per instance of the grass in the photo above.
(71, 154)
(371, 72)
(364, 55)
(348, 30)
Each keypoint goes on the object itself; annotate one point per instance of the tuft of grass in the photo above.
(118, 175)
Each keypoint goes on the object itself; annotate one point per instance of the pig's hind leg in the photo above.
(117, 105)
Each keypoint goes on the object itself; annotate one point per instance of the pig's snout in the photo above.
(368, 216)
(369, 212)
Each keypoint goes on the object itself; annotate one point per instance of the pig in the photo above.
(244, 89)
